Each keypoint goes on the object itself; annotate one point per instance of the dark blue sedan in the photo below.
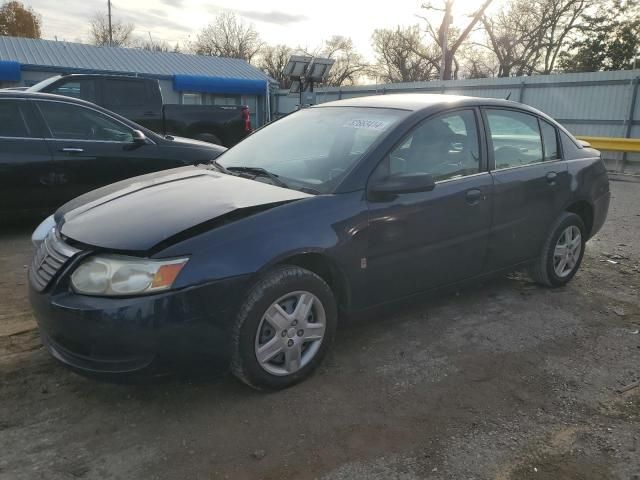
(333, 209)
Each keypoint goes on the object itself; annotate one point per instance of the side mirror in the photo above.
(403, 183)
(139, 137)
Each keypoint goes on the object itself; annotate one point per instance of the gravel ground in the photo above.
(504, 380)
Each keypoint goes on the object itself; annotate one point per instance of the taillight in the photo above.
(246, 117)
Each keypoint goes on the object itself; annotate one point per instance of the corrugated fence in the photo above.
(599, 104)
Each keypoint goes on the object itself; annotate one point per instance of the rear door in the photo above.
(27, 173)
(531, 184)
(92, 149)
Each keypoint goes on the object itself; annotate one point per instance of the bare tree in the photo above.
(526, 36)
(514, 35)
(153, 45)
(273, 59)
(228, 36)
(349, 64)
(449, 44)
(476, 62)
(99, 31)
(403, 56)
(562, 17)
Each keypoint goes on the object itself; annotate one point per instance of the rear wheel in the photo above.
(283, 329)
(562, 252)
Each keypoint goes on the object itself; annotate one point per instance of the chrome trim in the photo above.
(91, 141)
(50, 257)
(529, 165)
(462, 178)
(21, 138)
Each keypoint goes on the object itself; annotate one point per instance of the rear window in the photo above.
(125, 93)
(569, 148)
(84, 89)
(13, 119)
(550, 141)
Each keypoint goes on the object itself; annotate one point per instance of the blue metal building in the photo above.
(186, 79)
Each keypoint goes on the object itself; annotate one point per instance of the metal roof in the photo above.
(78, 57)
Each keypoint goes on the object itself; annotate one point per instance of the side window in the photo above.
(550, 141)
(445, 146)
(569, 148)
(515, 137)
(13, 119)
(74, 122)
(125, 93)
(84, 89)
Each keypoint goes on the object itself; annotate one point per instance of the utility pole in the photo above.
(110, 29)
(444, 37)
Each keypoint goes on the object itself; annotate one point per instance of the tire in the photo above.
(209, 137)
(260, 325)
(545, 270)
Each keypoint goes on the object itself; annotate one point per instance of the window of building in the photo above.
(191, 99)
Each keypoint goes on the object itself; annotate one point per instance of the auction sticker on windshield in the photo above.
(368, 124)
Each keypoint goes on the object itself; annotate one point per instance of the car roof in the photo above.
(42, 96)
(77, 101)
(421, 101)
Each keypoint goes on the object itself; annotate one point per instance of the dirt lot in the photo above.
(502, 381)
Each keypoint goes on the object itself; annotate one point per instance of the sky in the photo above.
(293, 23)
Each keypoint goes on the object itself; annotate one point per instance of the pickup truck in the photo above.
(140, 100)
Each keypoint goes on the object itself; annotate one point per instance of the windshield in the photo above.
(38, 87)
(315, 147)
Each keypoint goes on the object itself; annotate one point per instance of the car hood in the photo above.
(140, 213)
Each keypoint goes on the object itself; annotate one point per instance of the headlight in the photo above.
(115, 275)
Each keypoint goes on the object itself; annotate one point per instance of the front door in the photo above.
(531, 184)
(421, 240)
(91, 149)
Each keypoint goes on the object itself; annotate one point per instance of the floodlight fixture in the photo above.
(297, 66)
(304, 71)
(319, 68)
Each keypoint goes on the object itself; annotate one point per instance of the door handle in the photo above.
(551, 178)
(474, 196)
(72, 150)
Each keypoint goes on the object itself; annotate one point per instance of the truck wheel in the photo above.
(208, 137)
(284, 329)
(562, 253)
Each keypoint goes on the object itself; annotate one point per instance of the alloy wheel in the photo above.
(567, 251)
(290, 333)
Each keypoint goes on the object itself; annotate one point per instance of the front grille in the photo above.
(51, 256)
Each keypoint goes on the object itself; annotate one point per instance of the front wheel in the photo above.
(283, 329)
(562, 252)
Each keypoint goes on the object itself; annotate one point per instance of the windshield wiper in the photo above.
(219, 166)
(259, 171)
